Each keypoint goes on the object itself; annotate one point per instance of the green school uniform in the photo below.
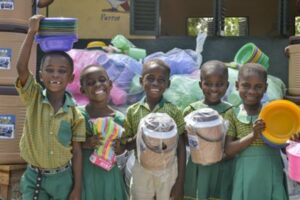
(97, 182)
(210, 181)
(259, 169)
(46, 141)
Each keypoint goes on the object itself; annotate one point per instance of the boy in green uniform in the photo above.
(53, 128)
(145, 185)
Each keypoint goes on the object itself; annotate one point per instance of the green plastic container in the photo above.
(122, 43)
(137, 53)
(250, 53)
(245, 53)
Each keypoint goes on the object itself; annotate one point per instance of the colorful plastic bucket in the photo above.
(293, 153)
(250, 53)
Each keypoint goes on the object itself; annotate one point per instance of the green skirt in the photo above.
(100, 184)
(259, 175)
(208, 182)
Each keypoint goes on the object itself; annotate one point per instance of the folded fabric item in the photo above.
(107, 130)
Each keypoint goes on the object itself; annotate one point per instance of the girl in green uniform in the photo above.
(259, 169)
(210, 181)
(97, 182)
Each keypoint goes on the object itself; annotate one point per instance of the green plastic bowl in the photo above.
(245, 53)
(264, 61)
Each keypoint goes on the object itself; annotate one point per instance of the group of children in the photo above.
(58, 138)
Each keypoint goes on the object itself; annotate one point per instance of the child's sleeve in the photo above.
(29, 91)
(187, 110)
(78, 126)
(128, 129)
(229, 116)
(179, 120)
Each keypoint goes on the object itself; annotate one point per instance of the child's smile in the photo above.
(96, 84)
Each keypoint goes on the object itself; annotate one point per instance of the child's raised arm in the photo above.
(44, 3)
(24, 55)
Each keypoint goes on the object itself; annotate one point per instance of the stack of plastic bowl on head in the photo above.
(57, 34)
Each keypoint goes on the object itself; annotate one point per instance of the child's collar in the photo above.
(69, 100)
(144, 103)
(242, 115)
(221, 107)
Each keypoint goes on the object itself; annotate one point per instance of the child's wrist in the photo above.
(31, 32)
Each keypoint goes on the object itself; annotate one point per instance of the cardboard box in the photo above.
(10, 44)
(14, 14)
(12, 117)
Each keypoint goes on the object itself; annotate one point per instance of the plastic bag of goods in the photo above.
(180, 61)
(206, 133)
(157, 140)
(184, 90)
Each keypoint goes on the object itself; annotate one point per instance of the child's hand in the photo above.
(176, 192)
(258, 127)
(34, 23)
(75, 195)
(44, 3)
(93, 142)
(295, 137)
(118, 147)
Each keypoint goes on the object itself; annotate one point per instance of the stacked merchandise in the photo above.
(125, 72)
(14, 15)
(293, 53)
(292, 157)
(250, 53)
(12, 111)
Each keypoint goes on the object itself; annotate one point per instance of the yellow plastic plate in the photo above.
(282, 118)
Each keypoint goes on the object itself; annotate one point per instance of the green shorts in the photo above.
(53, 186)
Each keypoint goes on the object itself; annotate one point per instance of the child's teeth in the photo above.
(99, 92)
(55, 82)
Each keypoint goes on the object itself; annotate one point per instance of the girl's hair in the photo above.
(157, 62)
(82, 75)
(215, 65)
(58, 53)
(253, 68)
